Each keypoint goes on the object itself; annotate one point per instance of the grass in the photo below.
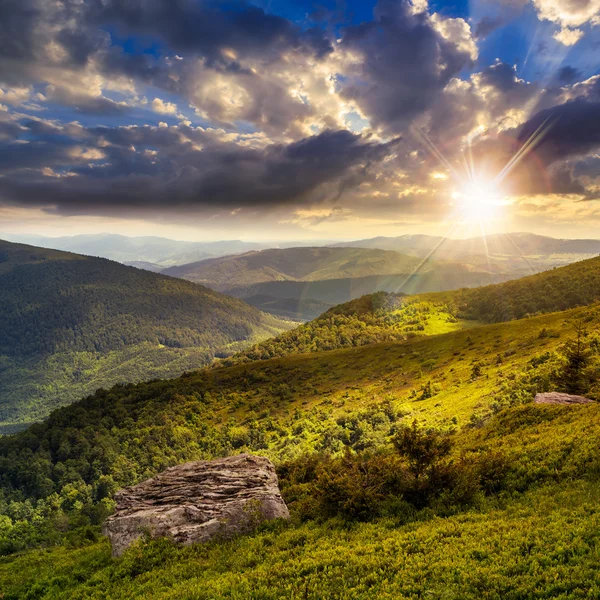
(544, 544)
(537, 538)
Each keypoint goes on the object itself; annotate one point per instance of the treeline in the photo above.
(71, 324)
(559, 289)
(371, 319)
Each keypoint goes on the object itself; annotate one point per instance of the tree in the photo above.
(578, 357)
(422, 449)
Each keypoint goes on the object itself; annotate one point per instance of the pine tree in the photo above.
(577, 356)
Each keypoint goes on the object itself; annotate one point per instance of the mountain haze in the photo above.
(293, 264)
(158, 251)
(524, 252)
(302, 283)
(383, 316)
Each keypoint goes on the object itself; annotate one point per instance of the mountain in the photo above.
(70, 324)
(382, 316)
(503, 479)
(301, 283)
(147, 252)
(154, 250)
(293, 264)
(308, 299)
(142, 264)
(515, 252)
(566, 287)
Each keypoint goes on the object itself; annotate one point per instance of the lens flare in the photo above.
(479, 200)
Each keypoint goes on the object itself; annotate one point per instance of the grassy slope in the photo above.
(577, 284)
(543, 543)
(290, 406)
(538, 540)
(382, 317)
(374, 318)
(70, 324)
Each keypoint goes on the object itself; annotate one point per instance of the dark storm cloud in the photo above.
(405, 63)
(144, 168)
(202, 28)
(29, 31)
(207, 27)
(567, 75)
(574, 129)
(502, 76)
(86, 105)
(40, 39)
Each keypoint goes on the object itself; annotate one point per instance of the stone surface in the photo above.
(558, 398)
(198, 501)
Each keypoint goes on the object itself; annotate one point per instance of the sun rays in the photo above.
(478, 198)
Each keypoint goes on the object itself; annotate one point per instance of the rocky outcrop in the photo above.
(198, 501)
(558, 398)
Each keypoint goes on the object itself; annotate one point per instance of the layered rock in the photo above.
(559, 398)
(198, 501)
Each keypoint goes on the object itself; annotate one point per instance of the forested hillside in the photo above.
(303, 411)
(301, 283)
(70, 324)
(558, 289)
(392, 317)
(379, 317)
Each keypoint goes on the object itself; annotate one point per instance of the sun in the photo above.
(479, 200)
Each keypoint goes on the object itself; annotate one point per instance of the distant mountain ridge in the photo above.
(70, 324)
(384, 316)
(149, 252)
(160, 251)
(513, 244)
(302, 283)
(293, 264)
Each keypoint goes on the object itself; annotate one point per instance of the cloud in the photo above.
(400, 62)
(574, 131)
(197, 43)
(568, 37)
(570, 15)
(186, 169)
(293, 90)
(164, 108)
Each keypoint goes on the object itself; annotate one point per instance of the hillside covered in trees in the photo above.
(301, 283)
(293, 264)
(374, 318)
(566, 287)
(339, 425)
(396, 317)
(70, 324)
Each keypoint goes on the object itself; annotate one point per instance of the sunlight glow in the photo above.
(479, 200)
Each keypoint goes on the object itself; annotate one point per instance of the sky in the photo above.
(280, 120)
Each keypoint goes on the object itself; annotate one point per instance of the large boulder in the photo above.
(559, 398)
(198, 501)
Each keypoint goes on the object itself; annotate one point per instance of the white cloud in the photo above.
(568, 37)
(79, 153)
(569, 13)
(164, 108)
(15, 96)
